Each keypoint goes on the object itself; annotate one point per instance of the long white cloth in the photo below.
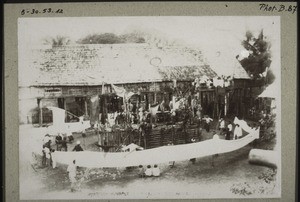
(243, 124)
(158, 155)
(58, 116)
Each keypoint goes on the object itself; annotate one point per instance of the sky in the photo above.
(219, 37)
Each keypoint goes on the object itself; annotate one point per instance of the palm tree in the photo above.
(57, 41)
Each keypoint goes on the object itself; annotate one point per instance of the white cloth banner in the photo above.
(154, 110)
(58, 116)
(158, 155)
(121, 92)
(243, 124)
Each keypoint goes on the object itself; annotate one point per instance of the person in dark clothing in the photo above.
(58, 140)
(77, 147)
(64, 145)
(227, 134)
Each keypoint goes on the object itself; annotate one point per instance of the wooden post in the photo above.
(145, 140)
(65, 107)
(85, 108)
(139, 138)
(41, 112)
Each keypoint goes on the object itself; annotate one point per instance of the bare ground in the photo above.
(230, 177)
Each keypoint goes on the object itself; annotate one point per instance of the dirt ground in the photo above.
(230, 177)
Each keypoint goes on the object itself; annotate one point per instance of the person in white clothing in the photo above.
(46, 139)
(237, 131)
(207, 120)
(46, 156)
(72, 169)
(216, 136)
(221, 125)
(156, 171)
(148, 171)
(229, 127)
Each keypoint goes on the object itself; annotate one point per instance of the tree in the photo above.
(110, 38)
(257, 62)
(57, 41)
(106, 38)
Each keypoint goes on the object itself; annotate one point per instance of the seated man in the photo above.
(77, 147)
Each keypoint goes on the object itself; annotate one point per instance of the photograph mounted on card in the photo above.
(160, 107)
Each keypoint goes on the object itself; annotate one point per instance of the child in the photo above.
(148, 171)
(156, 171)
(141, 171)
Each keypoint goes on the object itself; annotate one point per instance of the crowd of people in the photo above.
(61, 143)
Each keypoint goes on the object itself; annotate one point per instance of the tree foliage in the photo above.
(110, 38)
(58, 41)
(257, 64)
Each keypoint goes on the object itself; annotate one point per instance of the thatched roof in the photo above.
(240, 72)
(116, 63)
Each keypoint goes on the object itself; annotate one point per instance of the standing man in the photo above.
(207, 120)
(46, 156)
(72, 169)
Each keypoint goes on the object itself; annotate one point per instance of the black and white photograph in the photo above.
(149, 107)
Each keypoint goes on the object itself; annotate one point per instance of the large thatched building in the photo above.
(67, 77)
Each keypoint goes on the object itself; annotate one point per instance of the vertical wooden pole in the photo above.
(65, 107)
(225, 104)
(41, 112)
(85, 107)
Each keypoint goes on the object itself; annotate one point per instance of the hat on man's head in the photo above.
(78, 142)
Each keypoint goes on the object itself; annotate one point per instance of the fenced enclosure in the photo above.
(160, 135)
